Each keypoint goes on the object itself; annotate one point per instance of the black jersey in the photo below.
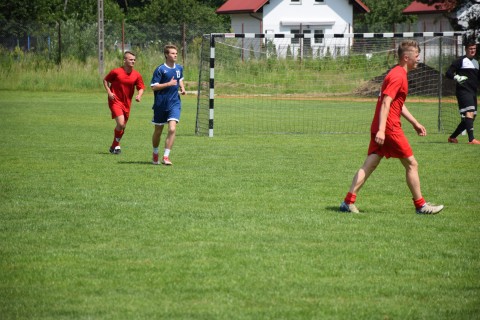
(464, 66)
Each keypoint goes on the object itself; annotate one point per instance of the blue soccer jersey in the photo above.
(167, 105)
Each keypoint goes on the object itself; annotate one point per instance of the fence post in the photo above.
(440, 83)
(100, 38)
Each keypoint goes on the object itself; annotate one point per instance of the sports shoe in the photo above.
(452, 140)
(155, 159)
(166, 161)
(474, 141)
(429, 208)
(348, 208)
(116, 150)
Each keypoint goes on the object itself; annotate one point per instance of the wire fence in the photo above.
(80, 40)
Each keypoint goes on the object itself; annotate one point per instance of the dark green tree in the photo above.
(383, 16)
(167, 12)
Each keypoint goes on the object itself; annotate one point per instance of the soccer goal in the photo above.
(315, 83)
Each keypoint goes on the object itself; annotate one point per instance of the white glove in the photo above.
(460, 79)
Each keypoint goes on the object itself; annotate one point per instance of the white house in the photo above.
(295, 16)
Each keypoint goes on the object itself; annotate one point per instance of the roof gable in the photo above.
(422, 8)
(252, 6)
(241, 6)
(360, 6)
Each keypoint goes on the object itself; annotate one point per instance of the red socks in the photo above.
(117, 137)
(350, 198)
(419, 203)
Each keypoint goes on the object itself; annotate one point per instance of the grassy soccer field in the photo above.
(240, 227)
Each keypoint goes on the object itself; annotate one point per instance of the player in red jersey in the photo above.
(387, 137)
(120, 84)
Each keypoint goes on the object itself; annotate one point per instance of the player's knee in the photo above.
(171, 130)
(413, 164)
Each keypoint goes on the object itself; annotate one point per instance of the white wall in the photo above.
(331, 16)
(244, 23)
(283, 16)
(334, 16)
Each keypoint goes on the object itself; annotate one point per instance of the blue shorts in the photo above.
(162, 116)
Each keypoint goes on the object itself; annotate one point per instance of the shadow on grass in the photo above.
(435, 142)
(136, 162)
(336, 210)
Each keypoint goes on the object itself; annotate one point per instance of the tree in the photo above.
(18, 17)
(383, 15)
(167, 12)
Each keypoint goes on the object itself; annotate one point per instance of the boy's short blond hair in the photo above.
(407, 46)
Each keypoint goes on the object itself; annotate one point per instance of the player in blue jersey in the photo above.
(465, 71)
(166, 81)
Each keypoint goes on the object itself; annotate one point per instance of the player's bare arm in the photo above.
(106, 84)
(182, 88)
(421, 131)
(384, 111)
(139, 95)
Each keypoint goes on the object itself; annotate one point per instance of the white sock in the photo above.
(166, 153)
(155, 150)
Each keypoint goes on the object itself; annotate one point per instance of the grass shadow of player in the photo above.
(135, 162)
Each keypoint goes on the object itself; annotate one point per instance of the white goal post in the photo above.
(314, 83)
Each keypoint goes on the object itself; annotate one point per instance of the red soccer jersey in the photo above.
(395, 85)
(123, 86)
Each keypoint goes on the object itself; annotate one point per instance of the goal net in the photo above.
(316, 83)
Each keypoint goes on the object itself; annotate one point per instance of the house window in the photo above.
(295, 40)
(295, 1)
(306, 41)
(318, 40)
(319, 1)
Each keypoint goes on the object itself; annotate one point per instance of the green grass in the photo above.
(241, 227)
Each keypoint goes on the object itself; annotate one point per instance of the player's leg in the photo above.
(460, 128)
(462, 102)
(412, 177)
(120, 124)
(370, 164)
(169, 140)
(413, 182)
(467, 106)
(469, 119)
(157, 134)
(173, 119)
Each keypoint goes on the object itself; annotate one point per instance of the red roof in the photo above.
(419, 8)
(360, 5)
(241, 6)
(252, 6)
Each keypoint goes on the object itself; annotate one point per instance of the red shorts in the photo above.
(118, 109)
(395, 146)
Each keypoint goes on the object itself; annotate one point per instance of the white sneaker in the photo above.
(429, 208)
(166, 161)
(116, 150)
(348, 208)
